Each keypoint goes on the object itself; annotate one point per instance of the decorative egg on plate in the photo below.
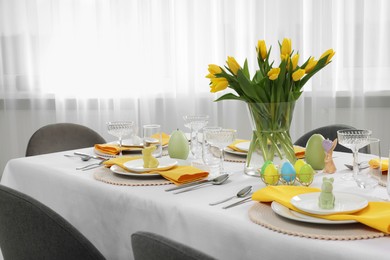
(178, 145)
(287, 172)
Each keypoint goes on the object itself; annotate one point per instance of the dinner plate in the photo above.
(229, 150)
(165, 163)
(119, 170)
(293, 215)
(243, 146)
(344, 203)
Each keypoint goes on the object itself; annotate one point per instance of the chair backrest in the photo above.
(30, 230)
(150, 246)
(329, 131)
(61, 137)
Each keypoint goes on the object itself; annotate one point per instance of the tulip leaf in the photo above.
(229, 96)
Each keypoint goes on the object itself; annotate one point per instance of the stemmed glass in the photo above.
(220, 138)
(195, 123)
(120, 129)
(354, 140)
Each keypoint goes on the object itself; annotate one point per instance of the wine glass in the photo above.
(220, 138)
(354, 140)
(120, 129)
(195, 123)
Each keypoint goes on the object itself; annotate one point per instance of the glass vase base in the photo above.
(251, 171)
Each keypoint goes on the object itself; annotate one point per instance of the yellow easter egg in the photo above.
(298, 165)
(271, 175)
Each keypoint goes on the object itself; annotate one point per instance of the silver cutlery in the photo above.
(197, 183)
(91, 166)
(216, 181)
(83, 158)
(240, 194)
(238, 203)
(362, 166)
(82, 155)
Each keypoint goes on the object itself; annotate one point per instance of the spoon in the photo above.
(216, 181)
(91, 166)
(241, 194)
(194, 183)
(83, 157)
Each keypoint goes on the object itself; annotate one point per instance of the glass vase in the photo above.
(271, 139)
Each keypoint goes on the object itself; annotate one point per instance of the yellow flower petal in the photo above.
(218, 84)
(214, 69)
(286, 47)
(233, 65)
(262, 49)
(329, 52)
(297, 75)
(311, 65)
(273, 73)
(294, 61)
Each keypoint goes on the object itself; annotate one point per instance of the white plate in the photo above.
(344, 203)
(290, 214)
(229, 150)
(244, 146)
(119, 170)
(165, 163)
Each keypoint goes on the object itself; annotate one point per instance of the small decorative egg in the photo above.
(298, 165)
(306, 174)
(266, 163)
(271, 175)
(288, 172)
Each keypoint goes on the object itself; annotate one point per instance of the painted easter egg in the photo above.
(266, 163)
(315, 154)
(271, 175)
(298, 165)
(306, 174)
(287, 172)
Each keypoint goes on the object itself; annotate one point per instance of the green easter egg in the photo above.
(298, 165)
(271, 175)
(306, 173)
(178, 145)
(266, 163)
(315, 154)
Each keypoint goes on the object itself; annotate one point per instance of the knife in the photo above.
(91, 156)
(238, 203)
(187, 185)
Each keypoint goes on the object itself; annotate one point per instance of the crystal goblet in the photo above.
(120, 129)
(195, 123)
(354, 140)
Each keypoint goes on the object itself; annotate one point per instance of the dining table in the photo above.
(108, 212)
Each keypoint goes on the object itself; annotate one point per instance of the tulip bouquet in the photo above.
(270, 94)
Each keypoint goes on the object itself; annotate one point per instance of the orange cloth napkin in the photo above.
(113, 149)
(375, 215)
(299, 151)
(374, 163)
(178, 174)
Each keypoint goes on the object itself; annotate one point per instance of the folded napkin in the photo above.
(113, 149)
(299, 151)
(375, 215)
(178, 174)
(374, 163)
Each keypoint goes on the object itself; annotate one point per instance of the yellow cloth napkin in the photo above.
(113, 149)
(178, 174)
(375, 215)
(299, 151)
(374, 163)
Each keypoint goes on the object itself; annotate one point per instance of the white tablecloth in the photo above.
(107, 214)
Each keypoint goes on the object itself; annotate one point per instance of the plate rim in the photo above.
(243, 148)
(310, 219)
(329, 211)
(231, 151)
(169, 166)
(132, 174)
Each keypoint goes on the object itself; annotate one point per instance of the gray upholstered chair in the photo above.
(30, 230)
(61, 137)
(330, 132)
(150, 246)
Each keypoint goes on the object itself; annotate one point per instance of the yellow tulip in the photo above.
(297, 75)
(213, 69)
(262, 49)
(329, 52)
(294, 61)
(273, 73)
(311, 65)
(233, 65)
(218, 84)
(285, 50)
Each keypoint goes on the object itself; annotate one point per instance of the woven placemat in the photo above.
(107, 176)
(262, 214)
(234, 158)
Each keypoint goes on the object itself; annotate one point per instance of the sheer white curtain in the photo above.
(91, 61)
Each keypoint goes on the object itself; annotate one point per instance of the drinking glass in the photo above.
(195, 123)
(369, 175)
(210, 154)
(354, 140)
(121, 129)
(153, 137)
(219, 138)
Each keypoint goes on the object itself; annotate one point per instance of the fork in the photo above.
(91, 166)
